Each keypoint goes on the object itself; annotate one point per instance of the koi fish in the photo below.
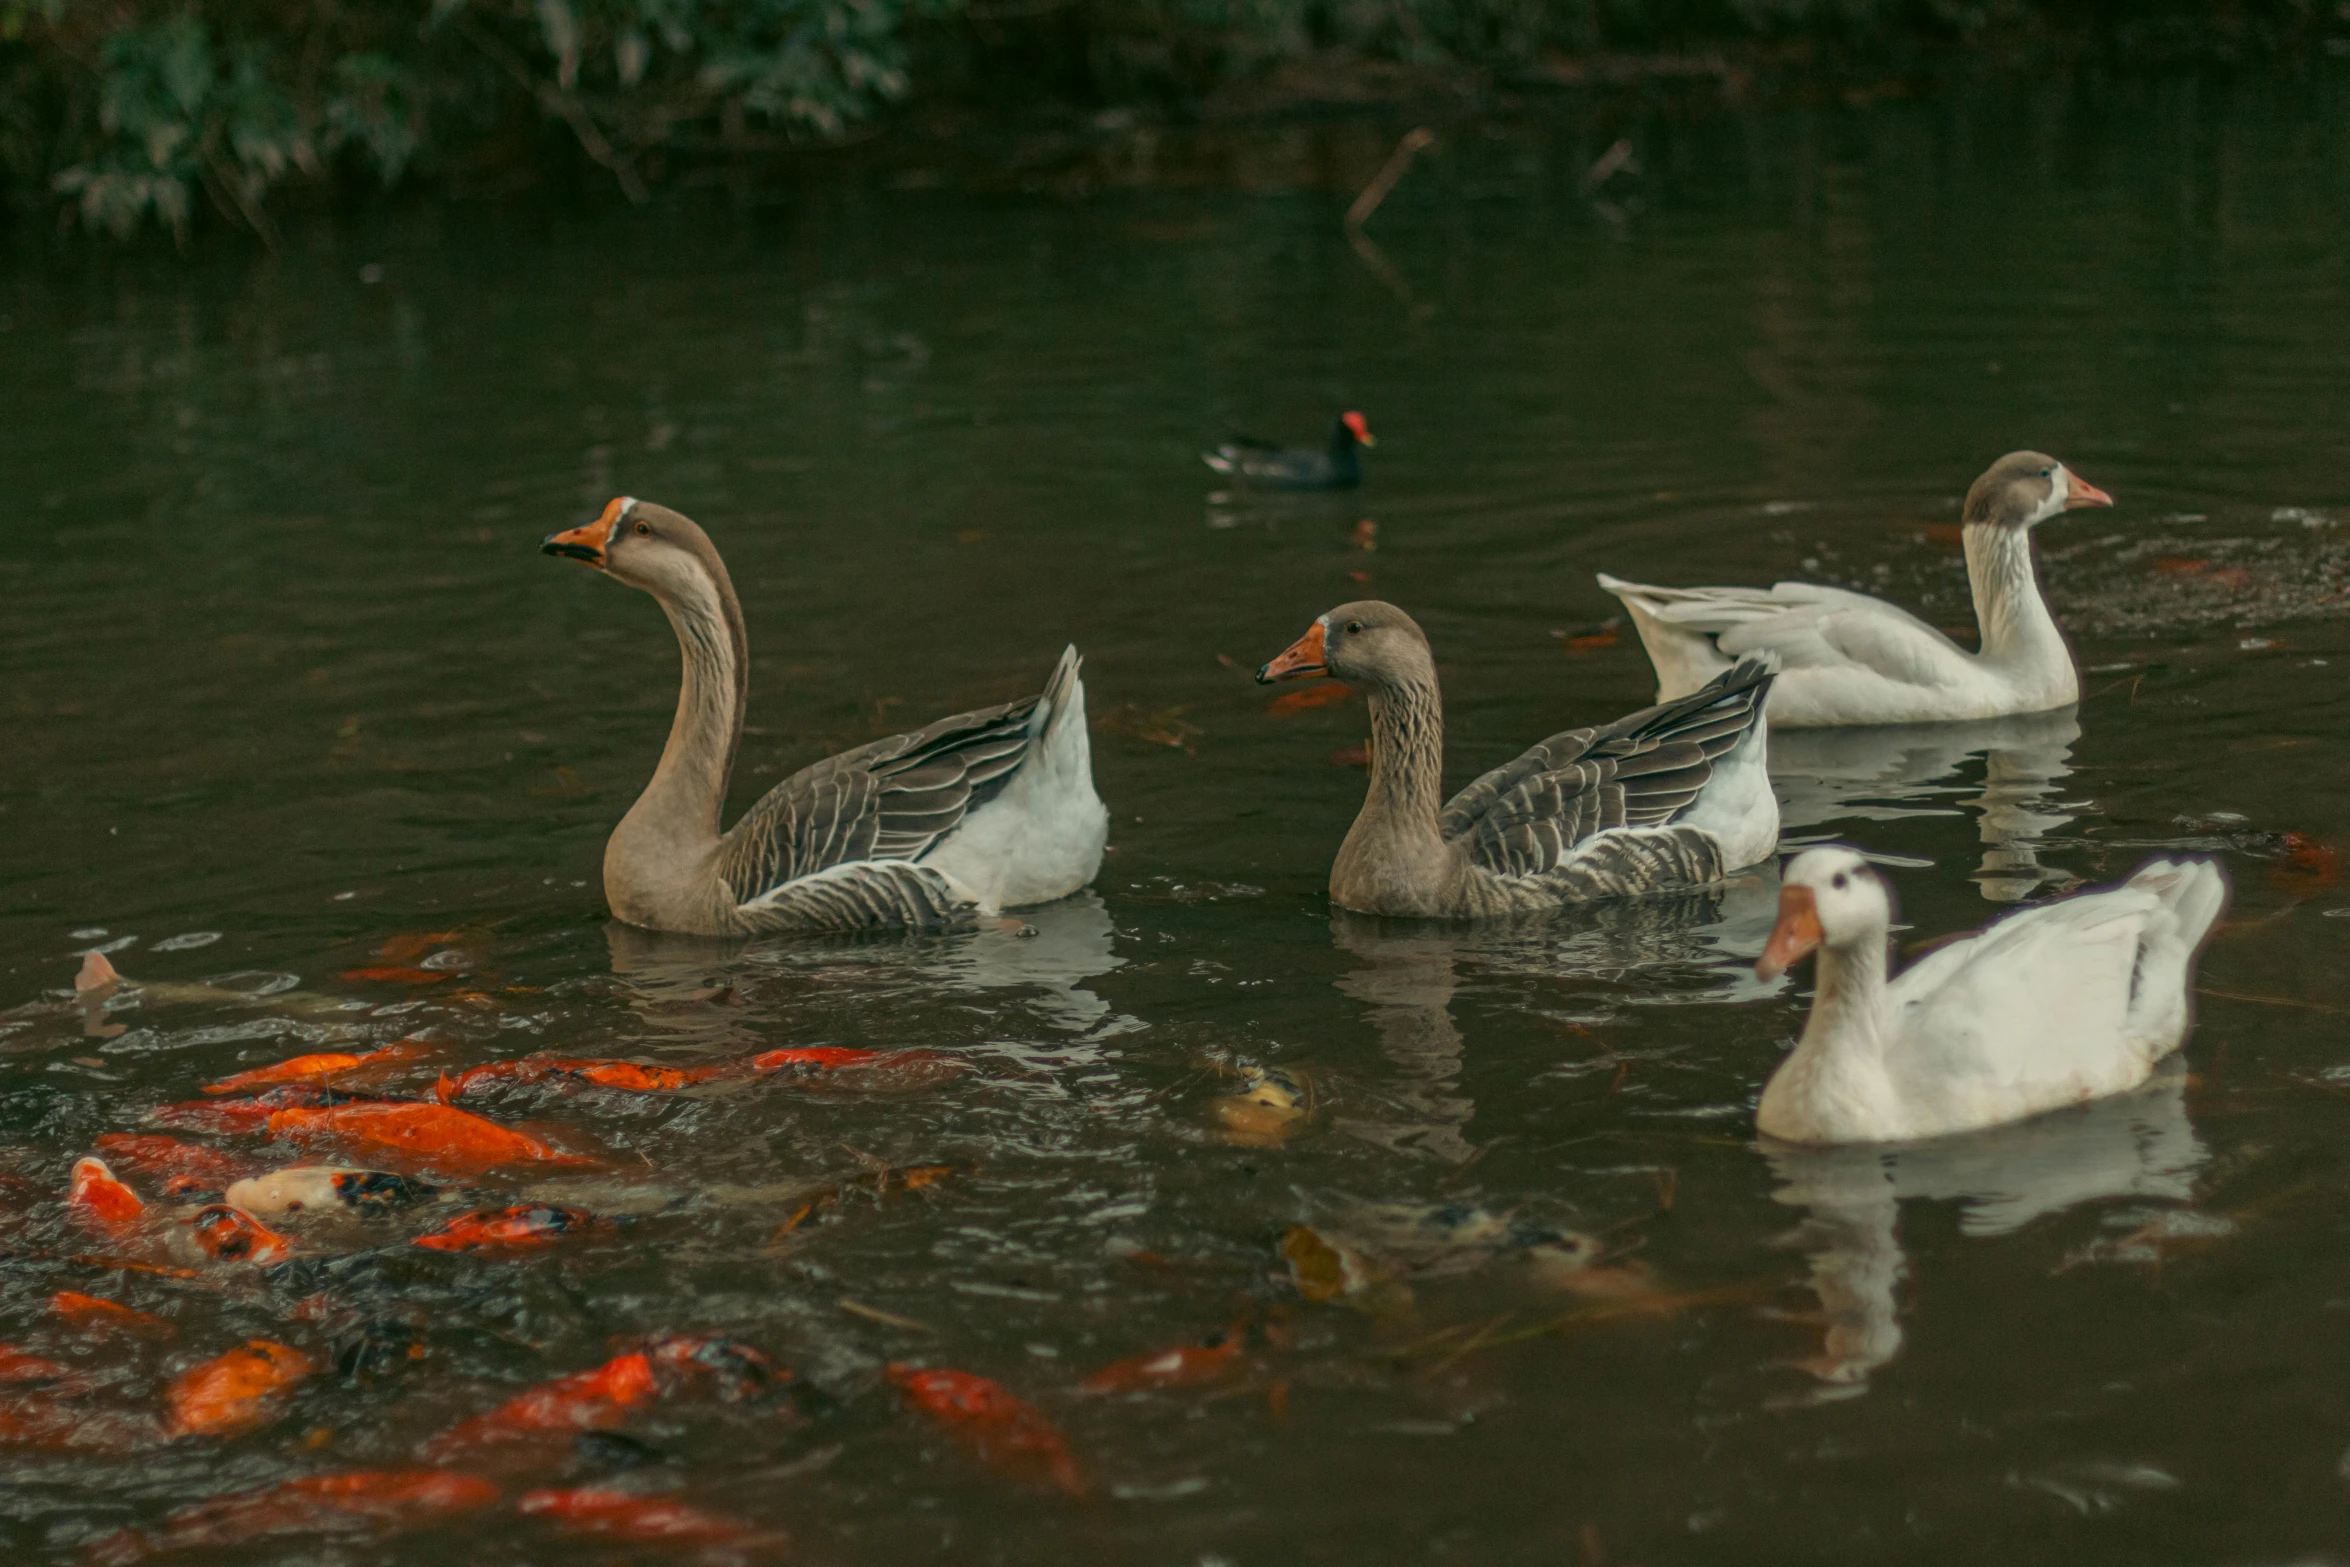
(1005, 1432)
(394, 975)
(591, 1400)
(435, 1135)
(375, 1503)
(185, 1168)
(824, 1058)
(94, 1314)
(41, 1422)
(885, 1071)
(616, 1515)
(415, 944)
(17, 1365)
(303, 1068)
(738, 1370)
(1184, 1365)
(234, 1393)
(97, 1196)
(251, 1114)
(232, 1235)
(493, 1229)
(324, 1186)
(98, 980)
(630, 1075)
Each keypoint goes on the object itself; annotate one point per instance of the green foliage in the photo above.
(134, 110)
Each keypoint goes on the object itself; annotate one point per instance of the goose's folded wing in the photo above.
(1643, 770)
(2044, 997)
(890, 800)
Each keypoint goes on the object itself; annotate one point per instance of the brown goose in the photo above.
(1673, 796)
(986, 810)
(1851, 659)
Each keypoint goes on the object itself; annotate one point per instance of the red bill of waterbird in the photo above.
(1848, 658)
(2050, 1006)
(1671, 797)
(987, 810)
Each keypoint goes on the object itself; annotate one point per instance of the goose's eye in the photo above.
(2048, 473)
(1354, 626)
(1839, 882)
(644, 527)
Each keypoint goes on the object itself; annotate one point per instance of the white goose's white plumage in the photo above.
(2048, 1007)
(1846, 658)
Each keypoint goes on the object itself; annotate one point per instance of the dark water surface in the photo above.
(286, 680)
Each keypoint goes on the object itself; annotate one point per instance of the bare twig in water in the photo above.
(876, 1314)
(1616, 160)
(1399, 163)
(2272, 1001)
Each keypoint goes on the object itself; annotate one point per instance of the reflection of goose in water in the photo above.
(1048, 951)
(1408, 986)
(2133, 1145)
(1889, 771)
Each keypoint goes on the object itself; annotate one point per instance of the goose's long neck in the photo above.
(1395, 860)
(1848, 1008)
(2019, 634)
(668, 835)
(1407, 759)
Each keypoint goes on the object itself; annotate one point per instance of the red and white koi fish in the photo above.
(1183, 1365)
(99, 1198)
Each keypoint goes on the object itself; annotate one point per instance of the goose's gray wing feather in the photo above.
(887, 801)
(858, 895)
(1644, 771)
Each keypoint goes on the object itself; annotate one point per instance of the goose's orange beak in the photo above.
(1797, 933)
(1300, 659)
(587, 543)
(2079, 492)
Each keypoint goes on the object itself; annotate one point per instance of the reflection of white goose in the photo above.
(1885, 772)
(2132, 1145)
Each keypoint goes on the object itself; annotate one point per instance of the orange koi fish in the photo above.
(372, 1503)
(40, 1422)
(232, 1235)
(185, 1168)
(97, 1196)
(502, 1228)
(1184, 1365)
(252, 1113)
(240, 1391)
(17, 1365)
(824, 1058)
(1005, 1432)
(604, 1074)
(316, 1187)
(96, 1315)
(593, 1400)
(616, 1515)
(435, 1135)
(302, 1068)
(415, 944)
(394, 975)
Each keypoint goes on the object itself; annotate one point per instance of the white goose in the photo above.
(2048, 1007)
(987, 810)
(1846, 658)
